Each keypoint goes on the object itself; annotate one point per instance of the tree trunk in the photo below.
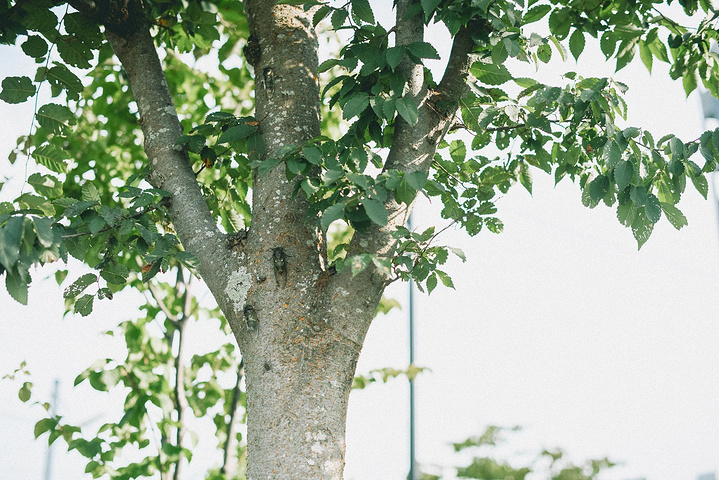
(299, 326)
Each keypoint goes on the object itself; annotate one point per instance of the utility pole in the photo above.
(412, 460)
(47, 475)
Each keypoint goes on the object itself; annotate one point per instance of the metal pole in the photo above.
(48, 457)
(412, 461)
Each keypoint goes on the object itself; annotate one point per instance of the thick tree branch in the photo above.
(171, 170)
(453, 86)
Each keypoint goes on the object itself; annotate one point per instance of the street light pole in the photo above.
(412, 462)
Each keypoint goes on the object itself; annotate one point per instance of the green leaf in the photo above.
(34, 46)
(79, 285)
(16, 287)
(599, 187)
(375, 211)
(83, 305)
(394, 56)
(652, 208)
(576, 43)
(536, 13)
(701, 184)
(623, 173)
(422, 50)
(116, 274)
(525, 177)
(407, 109)
(90, 193)
(416, 180)
(431, 282)
(446, 280)
(238, 132)
(355, 105)
(43, 228)
(10, 238)
(646, 55)
(429, 6)
(361, 9)
(404, 192)
(55, 118)
(674, 215)
(44, 425)
(642, 228)
(638, 194)
(332, 213)
(51, 158)
(16, 89)
(74, 51)
(25, 392)
(490, 74)
(46, 185)
(458, 252)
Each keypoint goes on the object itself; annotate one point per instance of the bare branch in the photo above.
(161, 303)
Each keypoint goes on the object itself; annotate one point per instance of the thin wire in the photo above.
(37, 96)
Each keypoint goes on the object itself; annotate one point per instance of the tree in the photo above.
(299, 291)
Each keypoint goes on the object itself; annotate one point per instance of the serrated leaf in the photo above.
(641, 228)
(236, 133)
(394, 56)
(362, 10)
(55, 118)
(79, 285)
(332, 213)
(17, 89)
(638, 194)
(407, 109)
(536, 13)
(652, 208)
(646, 55)
(43, 228)
(46, 185)
(51, 158)
(74, 51)
(576, 43)
(490, 74)
(83, 305)
(525, 177)
(375, 211)
(90, 193)
(431, 282)
(422, 50)
(61, 76)
(10, 238)
(623, 173)
(446, 279)
(116, 274)
(701, 184)
(674, 215)
(355, 105)
(16, 287)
